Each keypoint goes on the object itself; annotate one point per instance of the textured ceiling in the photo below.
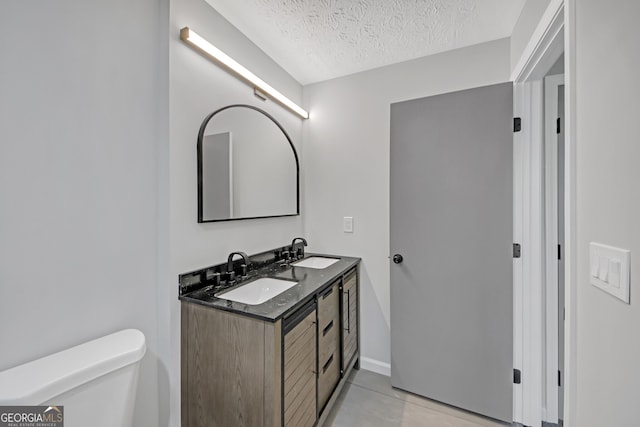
(317, 40)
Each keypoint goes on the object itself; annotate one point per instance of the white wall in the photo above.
(531, 13)
(79, 106)
(608, 178)
(347, 163)
(198, 87)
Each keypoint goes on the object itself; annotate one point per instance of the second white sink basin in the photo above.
(318, 262)
(258, 291)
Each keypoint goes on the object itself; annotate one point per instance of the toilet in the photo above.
(95, 382)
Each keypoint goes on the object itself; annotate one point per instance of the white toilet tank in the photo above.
(95, 381)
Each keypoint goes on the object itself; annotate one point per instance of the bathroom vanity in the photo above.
(279, 362)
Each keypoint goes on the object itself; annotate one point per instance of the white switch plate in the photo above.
(347, 224)
(603, 259)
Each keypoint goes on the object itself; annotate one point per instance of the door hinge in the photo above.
(516, 376)
(517, 124)
(516, 250)
(559, 252)
(559, 379)
(558, 125)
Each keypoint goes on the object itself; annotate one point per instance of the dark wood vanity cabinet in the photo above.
(238, 370)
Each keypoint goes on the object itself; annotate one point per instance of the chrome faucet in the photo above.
(231, 274)
(300, 252)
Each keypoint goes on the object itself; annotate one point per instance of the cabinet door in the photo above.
(300, 373)
(349, 319)
(328, 343)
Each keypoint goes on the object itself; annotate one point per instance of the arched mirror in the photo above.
(247, 166)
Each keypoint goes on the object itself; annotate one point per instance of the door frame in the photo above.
(551, 242)
(554, 35)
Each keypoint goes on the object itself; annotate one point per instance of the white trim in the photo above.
(532, 258)
(570, 260)
(539, 44)
(376, 366)
(551, 241)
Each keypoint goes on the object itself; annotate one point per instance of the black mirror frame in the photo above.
(200, 184)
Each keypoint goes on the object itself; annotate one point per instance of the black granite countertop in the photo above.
(310, 281)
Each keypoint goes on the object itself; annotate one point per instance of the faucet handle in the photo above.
(231, 276)
(243, 269)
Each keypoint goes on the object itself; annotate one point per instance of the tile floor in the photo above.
(368, 400)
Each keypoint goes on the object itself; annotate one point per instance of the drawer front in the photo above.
(328, 340)
(349, 320)
(328, 322)
(328, 305)
(328, 377)
(299, 374)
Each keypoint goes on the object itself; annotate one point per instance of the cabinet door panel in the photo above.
(299, 373)
(349, 320)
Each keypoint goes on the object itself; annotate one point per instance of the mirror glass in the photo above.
(247, 166)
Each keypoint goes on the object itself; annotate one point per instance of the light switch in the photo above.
(610, 269)
(595, 265)
(614, 272)
(347, 224)
(603, 269)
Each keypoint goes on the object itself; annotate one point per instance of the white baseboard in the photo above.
(376, 366)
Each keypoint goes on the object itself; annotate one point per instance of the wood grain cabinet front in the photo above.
(300, 370)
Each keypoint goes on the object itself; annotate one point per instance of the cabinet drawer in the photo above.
(328, 377)
(328, 340)
(299, 373)
(328, 306)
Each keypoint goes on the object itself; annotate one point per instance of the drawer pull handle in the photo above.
(348, 328)
(326, 365)
(329, 292)
(327, 328)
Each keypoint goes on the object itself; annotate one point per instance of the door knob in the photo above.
(397, 258)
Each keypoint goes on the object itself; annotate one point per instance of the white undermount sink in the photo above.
(258, 291)
(318, 262)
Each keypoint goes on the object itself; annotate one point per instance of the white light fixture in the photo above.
(193, 39)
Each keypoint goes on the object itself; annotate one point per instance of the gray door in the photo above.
(451, 220)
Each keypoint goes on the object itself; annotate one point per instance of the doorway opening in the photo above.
(543, 223)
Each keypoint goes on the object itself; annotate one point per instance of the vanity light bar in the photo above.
(192, 38)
